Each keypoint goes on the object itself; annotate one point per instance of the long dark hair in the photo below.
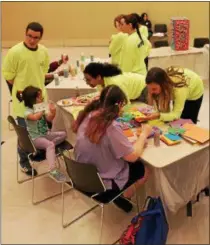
(28, 95)
(106, 108)
(164, 80)
(103, 69)
(134, 20)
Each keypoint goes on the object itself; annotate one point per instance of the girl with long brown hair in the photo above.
(100, 141)
(176, 92)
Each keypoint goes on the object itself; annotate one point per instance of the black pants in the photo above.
(136, 172)
(191, 109)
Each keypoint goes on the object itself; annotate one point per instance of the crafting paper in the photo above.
(168, 141)
(40, 107)
(176, 130)
(180, 122)
(196, 133)
(147, 110)
(128, 133)
(172, 137)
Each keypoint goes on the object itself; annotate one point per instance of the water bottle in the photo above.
(77, 62)
(56, 78)
(82, 57)
(91, 57)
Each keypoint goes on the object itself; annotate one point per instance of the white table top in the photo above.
(163, 155)
(167, 51)
(69, 83)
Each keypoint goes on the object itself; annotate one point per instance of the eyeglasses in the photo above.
(35, 38)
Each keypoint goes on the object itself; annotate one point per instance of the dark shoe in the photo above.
(123, 204)
(206, 191)
(28, 171)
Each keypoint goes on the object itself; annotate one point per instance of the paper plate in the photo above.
(65, 102)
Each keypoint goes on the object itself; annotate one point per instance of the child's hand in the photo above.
(52, 108)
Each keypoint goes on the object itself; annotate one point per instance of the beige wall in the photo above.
(91, 23)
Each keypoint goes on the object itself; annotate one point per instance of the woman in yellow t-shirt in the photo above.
(101, 75)
(136, 47)
(176, 93)
(116, 42)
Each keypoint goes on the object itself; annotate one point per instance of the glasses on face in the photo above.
(32, 37)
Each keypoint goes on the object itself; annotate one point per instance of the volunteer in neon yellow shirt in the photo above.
(104, 74)
(26, 65)
(115, 46)
(136, 47)
(116, 42)
(144, 31)
(181, 86)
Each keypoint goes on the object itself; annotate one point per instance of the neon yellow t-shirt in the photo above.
(131, 84)
(132, 57)
(115, 47)
(144, 31)
(193, 91)
(26, 68)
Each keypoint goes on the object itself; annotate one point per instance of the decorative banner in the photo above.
(180, 33)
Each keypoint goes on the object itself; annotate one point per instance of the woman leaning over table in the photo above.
(104, 74)
(181, 86)
(100, 141)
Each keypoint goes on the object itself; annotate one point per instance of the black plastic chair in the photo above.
(86, 180)
(34, 155)
(159, 44)
(160, 28)
(200, 42)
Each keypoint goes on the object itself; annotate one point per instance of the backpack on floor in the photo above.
(149, 227)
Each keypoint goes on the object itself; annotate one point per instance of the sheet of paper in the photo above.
(40, 107)
(199, 134)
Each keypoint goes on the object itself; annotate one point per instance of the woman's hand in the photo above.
(151, 116)
(146, 130)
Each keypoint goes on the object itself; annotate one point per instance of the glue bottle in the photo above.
(56, 78)
(157, 138)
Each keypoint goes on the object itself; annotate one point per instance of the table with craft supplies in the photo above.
(68, 87)
(74, 84)
(178, 172)
(193, 59)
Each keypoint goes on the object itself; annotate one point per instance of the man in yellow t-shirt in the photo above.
(25, 65)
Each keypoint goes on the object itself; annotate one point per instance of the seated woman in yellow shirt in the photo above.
(136, 47)
(104, 74)
(116, 42)
(181, 86)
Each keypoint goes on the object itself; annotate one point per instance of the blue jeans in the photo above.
(24, 162)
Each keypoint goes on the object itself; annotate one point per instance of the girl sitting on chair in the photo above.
(100, 141)
(38, 130)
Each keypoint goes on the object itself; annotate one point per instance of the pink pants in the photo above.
(48, 143)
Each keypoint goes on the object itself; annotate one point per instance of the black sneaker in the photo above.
(123, 204)
(28, 171)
